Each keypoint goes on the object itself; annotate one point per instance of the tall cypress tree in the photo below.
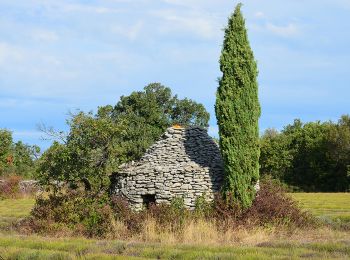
(238, 110)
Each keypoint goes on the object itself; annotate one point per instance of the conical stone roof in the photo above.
(185, 162)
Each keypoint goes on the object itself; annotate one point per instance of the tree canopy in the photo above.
(98, 143)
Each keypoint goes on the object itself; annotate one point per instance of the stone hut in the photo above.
(185, 162)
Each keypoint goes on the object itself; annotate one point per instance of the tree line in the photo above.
(313, 156)
(16, 158)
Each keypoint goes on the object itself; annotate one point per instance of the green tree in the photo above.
(16, 158)
(97, 144)
(5, 150)
(339, 152)
(89, 155)
(146, 114)
(24, 158)
(54, 166)
(311, 156)
(275, 157)
(238, 110)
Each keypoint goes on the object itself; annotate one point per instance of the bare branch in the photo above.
(51, 133)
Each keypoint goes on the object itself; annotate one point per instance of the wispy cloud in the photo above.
(130, 32)
(18, 134)
(26, 61)
(259, 14)
(195, 4)
(44, 35)
(10, 53)
(69, 7)
(289, 30)
(193, 22)
(342, 3)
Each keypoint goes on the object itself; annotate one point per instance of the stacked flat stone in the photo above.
(185, 162)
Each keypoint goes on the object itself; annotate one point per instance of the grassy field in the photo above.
(334, 206)
(13, 209)
(260, 244)
(16, 247)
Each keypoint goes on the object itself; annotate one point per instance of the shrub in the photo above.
(132, 220)
(226, 212)
(77, 212)
(9, 188)
(273, 206)
(169, 217)
(91, 215)
(203, 208)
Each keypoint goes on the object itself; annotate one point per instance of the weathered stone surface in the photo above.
(185, 162)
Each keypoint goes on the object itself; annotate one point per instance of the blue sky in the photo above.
(57, 56)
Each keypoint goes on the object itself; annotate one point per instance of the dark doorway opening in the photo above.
(148, 199)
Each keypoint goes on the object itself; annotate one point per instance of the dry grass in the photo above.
(202, 232)
(201, 242)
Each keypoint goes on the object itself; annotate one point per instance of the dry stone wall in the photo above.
(185, 162)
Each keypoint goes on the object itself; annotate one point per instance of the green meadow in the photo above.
(17, 247)
(327, 206)
(13, 209)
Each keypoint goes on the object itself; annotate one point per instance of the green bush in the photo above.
(203, 208)
(74, 212)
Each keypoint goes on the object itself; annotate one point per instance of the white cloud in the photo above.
(21, 103)
(45, 36)
(289, 30)
(204, 26)
(8, 103)
(200, 54)
(122, 59)
(259, 14)
(342, 3)
(28, 63)
(9, 53)
(82, 8)
(22, 134)
(131, 32)
(51, 60)
(191, 3)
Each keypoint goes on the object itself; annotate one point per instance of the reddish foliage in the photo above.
(274, 206)
(9, 188)
(122, 212)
